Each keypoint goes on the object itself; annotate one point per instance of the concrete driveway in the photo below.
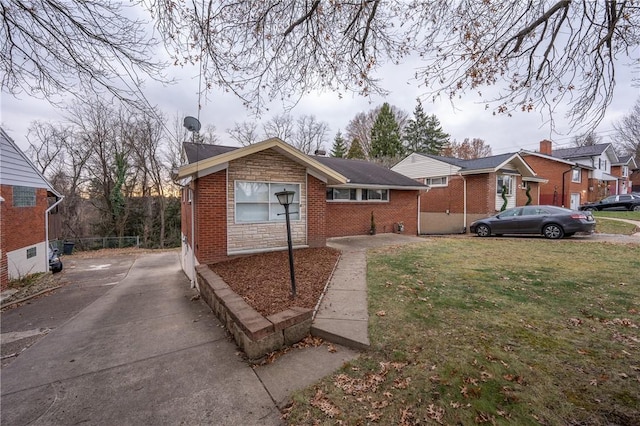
(126, 344)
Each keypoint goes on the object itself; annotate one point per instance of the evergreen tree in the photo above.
(355, 151)
(339, 148)
(385, 135)
(424, 133)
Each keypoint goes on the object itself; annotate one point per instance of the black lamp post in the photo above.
(285, 198)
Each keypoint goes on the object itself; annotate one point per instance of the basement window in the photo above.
(31, 252)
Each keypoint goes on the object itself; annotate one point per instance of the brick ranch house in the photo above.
(26, 201)
(462, 191)
(229, 207)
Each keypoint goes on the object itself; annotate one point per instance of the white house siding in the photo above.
(19, 265)
(418, 166)
(15, 168)
(266, 166)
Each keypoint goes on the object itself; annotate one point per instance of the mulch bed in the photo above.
(264, 282)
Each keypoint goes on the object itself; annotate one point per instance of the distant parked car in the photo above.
(55, 264)
(615, 202)
(550, 221)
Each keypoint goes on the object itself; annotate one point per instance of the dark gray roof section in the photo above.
(580, 151)
(200, 151)
(476, 163)
(623, 159)
(362, 172)
(358, 172)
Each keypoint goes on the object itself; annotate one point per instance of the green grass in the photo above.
(467, 331)
(605, 226)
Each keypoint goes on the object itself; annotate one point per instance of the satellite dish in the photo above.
(192, 124)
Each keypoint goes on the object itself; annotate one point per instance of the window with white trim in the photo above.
(576, 175)
(24, 196)
(625, 171)
(357, 194)
(436, 181)
(506, 181)
(256, 201)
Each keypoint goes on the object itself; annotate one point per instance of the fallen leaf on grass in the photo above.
(575, 321)
(435, 413)
(374, 417)
(323, 404)
(381, 313)
(400, 383)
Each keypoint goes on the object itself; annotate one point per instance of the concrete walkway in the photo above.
(633, 222)
(343, 316)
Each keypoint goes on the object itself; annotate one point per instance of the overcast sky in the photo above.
(469, 119)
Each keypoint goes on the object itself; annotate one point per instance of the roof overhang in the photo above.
(521, 166)
(370, 186)
(219, 162)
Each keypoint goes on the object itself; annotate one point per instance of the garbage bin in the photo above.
(67, 247)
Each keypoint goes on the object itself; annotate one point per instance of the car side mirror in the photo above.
(55, 251)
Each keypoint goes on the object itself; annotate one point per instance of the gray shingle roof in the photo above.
(199, 151)
(357, 171)
(476, 163)
(365, 173)
(580, 151)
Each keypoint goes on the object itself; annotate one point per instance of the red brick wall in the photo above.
(316, 212)
(551, 192)
(210, 200)
(480, 195)
(354, 218)
(20, 226)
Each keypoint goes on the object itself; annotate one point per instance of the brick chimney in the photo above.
(545, 147)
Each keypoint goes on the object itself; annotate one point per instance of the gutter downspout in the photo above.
(194, 278)
(46, 228)
(419, 194)
(464, 204)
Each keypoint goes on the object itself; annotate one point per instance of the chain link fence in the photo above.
(94, 243)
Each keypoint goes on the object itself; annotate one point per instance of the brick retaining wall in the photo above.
(254, 334)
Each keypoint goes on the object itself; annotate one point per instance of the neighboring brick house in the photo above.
(623, 170)
(25, 205)
(568, 182)
(462, 191)
(229, 207)
(598, 159)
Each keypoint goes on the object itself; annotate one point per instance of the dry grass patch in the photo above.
(518, 331)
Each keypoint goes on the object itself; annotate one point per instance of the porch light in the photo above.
(285, 198)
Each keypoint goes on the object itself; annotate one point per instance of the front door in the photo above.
(574, 202)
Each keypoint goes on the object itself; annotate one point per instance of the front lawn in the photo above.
(496, 331)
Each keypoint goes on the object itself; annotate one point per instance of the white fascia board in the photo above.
(213, 169)
(369, 186)
(320, 177)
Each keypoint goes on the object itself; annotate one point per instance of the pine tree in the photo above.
(339, 148)
(385, 135)
(355, 151)
(424, 133)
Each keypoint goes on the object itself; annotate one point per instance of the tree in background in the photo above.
(385, 135)
(627, 139)
(305, 132)
(244, 133)
(424, 134)
(467, 150)
(587, 139)
(339, 149)
(355, 151)
(360, 126)
(264, 50)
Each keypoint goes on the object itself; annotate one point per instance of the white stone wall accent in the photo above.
(265, 166)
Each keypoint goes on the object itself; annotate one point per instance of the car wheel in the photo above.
(591, 209)
(483, 230)
(553, 231)
(636, 208)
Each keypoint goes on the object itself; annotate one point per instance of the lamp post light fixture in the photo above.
(285, 198)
